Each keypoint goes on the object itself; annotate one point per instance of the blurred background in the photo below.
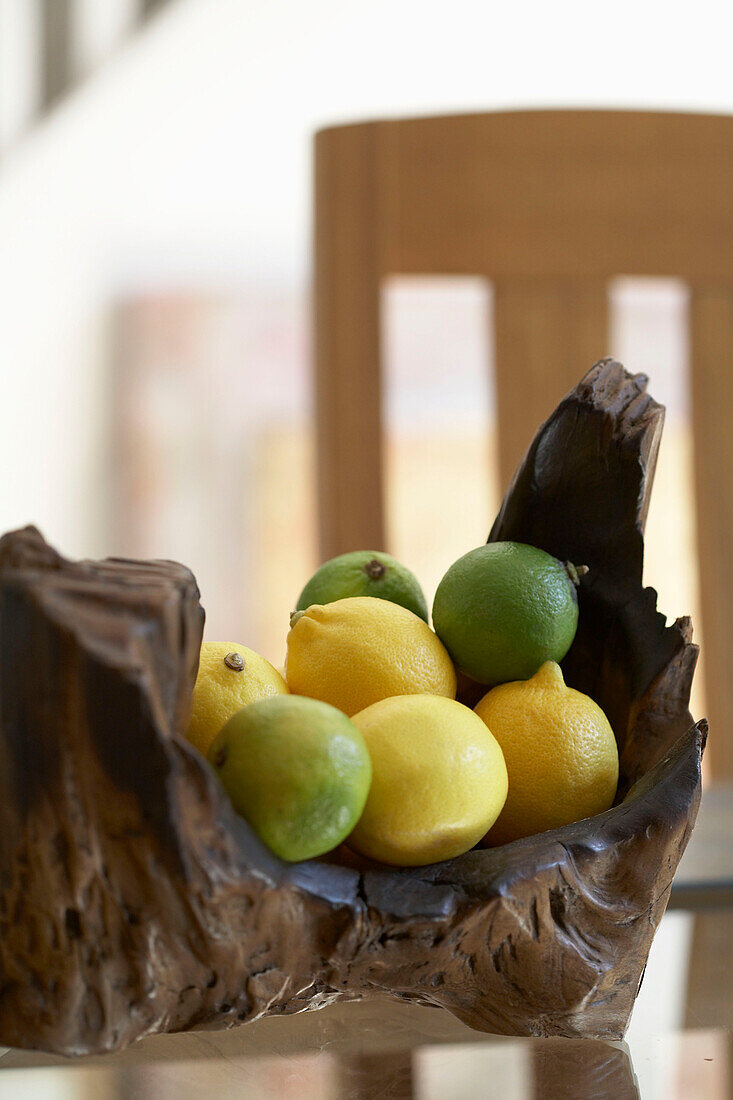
(155, 304)
(155, 220)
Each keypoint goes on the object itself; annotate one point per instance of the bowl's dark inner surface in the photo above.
(582, 494)
(133, 900)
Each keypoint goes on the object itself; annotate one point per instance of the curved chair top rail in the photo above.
(538, 193)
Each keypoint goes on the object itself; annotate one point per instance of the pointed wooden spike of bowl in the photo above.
(133, 900)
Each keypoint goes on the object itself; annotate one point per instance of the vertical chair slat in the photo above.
(546, 333)
(347, 353)
(711, 359)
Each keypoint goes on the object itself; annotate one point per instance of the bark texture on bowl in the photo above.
(133, 900)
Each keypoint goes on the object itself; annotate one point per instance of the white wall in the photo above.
(186, 160)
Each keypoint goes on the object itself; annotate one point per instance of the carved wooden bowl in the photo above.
(133, 900)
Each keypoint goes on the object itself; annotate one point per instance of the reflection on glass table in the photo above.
(678, 1046)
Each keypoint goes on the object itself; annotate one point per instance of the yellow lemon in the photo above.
(230, 676)
(560, 753)
(354, 652)
(439, 780)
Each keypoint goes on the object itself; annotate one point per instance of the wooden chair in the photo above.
(548, 205)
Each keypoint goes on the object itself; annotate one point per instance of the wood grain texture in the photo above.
(133, 900)
(711, 375)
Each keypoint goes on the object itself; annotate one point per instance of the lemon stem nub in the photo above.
(575, 572)
(295, 616)
(234, 661)
(375, 569)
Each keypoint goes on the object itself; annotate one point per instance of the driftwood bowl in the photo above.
(133, 900)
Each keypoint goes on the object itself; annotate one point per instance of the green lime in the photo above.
(297, 769)
(364, 573)
(504, 609)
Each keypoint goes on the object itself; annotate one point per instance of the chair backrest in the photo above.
(548, 205)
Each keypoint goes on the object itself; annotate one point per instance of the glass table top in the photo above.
(678, 1046)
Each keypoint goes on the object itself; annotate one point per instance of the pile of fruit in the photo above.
(362, 741)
